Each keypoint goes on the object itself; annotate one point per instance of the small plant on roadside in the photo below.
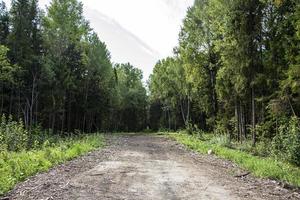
(17, 166)
(221, 140)
(261, 167)
(13, 135)
(286, 144)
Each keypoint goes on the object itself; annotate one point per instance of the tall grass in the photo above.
(17, 166)
(260, 167)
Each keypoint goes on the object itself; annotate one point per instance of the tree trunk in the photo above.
(2, 100)
(84, 122)
(182, 112)
(19, 103)
(63, 121)
(36, 108)
(240, 123)
(237, 116)
(244, 132)
(69, 114)
(175, 121)
(63, 114)
(291, 106)
(214, 96)
(253, 117)
(188, 111)
(10, 102)
(32, 103)
(53, 112)
(53, 122)
(169, 119)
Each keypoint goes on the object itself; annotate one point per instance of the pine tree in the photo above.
(25, 45)
(4, 23)
(65, 28)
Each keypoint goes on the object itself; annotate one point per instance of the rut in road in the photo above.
(149, 168)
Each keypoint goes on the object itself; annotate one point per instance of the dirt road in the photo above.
(147, 168)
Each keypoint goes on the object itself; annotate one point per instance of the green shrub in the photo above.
(265, 129)
(13, 135)
(286, 144)
(17, 166)
(262, 148)
(261, 167)
(222, 126)
(221, 140)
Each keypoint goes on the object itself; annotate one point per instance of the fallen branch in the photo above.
(242, 175)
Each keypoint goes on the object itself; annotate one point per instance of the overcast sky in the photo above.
(136, 31)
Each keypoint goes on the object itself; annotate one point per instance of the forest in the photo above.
(235, 73)
(234, 78)
(58, 82)
(57, 74)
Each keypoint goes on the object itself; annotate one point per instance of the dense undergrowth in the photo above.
(23, 154)
(244, 155)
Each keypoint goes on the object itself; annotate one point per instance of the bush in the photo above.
(13, 135)
(222, 127)
(262, 148)
(286, 144)
(266, 129)
(17, 166)
(261, 167)
(221, 140)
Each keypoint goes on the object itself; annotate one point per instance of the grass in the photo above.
(258, 166)
(17, 166)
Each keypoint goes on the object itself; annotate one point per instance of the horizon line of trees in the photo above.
(56, 72)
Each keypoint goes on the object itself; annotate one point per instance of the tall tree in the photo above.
(290, 85)
(65, 29)
(6, 76)
(132, 114)
(97, 85)
(25, 45)
(168, 86)
(4, 23)
(199, 55)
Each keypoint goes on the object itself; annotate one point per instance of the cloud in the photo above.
(124, 45)
(136, 31)
(156, 22)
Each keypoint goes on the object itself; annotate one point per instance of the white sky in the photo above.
(156, 23)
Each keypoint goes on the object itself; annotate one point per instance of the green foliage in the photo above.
(239, 69)
(59, 74)
(131, 97)
(168, 86)
(13, 135)
(200, 58)
(4, 23)
(7, 70)
(286, 144)
(260, 167)
(221, 140)
(17, 166)
(222, 126)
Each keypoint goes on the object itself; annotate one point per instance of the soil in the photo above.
(147, 167)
